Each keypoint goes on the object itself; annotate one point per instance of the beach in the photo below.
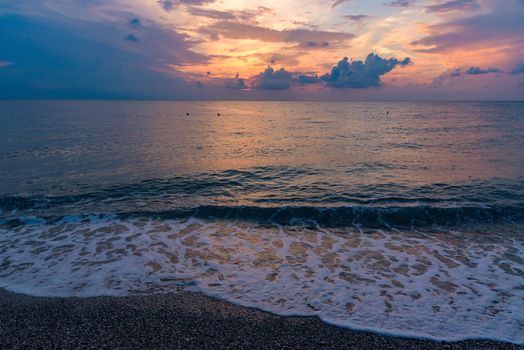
(181, 321)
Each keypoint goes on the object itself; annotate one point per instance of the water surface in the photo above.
(407, 222)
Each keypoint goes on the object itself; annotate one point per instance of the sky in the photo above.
(262, 50)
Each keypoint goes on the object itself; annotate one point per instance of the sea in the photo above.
(404, 218)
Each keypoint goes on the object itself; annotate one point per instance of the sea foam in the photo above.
(442, 284)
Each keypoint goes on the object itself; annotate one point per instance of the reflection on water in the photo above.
(90, 142)
(408, 222)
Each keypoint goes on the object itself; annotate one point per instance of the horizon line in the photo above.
(246, 100)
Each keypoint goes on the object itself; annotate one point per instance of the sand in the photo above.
(180, 321)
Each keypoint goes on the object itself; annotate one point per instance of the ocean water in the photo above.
(403, 218)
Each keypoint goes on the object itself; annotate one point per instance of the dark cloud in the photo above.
(272, 79)
(358, 18)
(132, 37)
(308, 79)
(445, 78)
(354, 74)
(235, 83)
(313, 44)
(339, 2)
(236, 30)
(358, 74)
(399, 3)
(455, 72)
(169, 5)
(61, 57)
(519, 69)
(478, 70)
(451, 77)
(135, 22)
(453, 5)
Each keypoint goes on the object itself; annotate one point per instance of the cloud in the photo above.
(308, 79)
(135, 23)
(519, 69)
(61, 57)
(314, 44)
(251, 15)
(358, 74)
(399, 3)
(339, 2)
(169, 5)
(235, 83)
(479, 71)
(213, 14)
(445, 78)
(132, 37)
(455, 72)
(499, 28)
(453, 5)
(243, 15)
(346, 74)
(105, 49)
(358, 18)
(285, 59)
(465, 77)
(236, 30)
(273, 80)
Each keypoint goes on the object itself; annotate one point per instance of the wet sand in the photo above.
(180, 321)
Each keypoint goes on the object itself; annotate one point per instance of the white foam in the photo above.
(439, 285)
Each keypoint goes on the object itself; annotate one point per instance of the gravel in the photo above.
(180, 321)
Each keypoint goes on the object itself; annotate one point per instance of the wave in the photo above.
(373, 217)
(443, 285)
(285, 196)
(365, 216)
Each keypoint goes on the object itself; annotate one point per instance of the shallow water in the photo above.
(407, 223)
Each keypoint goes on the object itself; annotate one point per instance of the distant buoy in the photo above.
(218, 114)
(187, 113)
(387, 112)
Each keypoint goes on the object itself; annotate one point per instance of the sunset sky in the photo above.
(275, 49)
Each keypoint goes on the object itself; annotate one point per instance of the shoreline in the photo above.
(182, 321)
